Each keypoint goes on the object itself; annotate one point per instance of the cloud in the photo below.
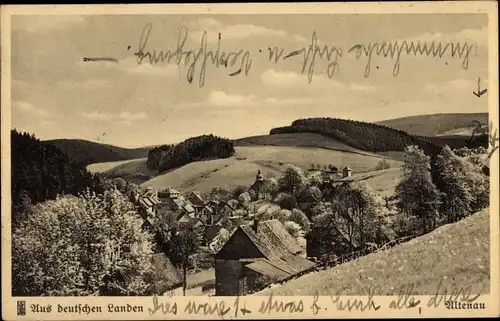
(476, 36)
(291, 80)
(28, 108)
(125, 118)
(221, 99)
(224, 100)
(43, 23)
(130, 65)
(235, 32)
(453, 86)
(133, 116)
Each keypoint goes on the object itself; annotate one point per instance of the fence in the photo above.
(365, 251)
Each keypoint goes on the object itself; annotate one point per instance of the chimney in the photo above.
(255, 225)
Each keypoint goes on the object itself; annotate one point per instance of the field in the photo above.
(134, 170)
(271, 160)
(107, 166)
(382, 182)
(436, 124)
(297, 140)
(451, 257)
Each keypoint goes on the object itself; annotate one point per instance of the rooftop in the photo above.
(279, 248)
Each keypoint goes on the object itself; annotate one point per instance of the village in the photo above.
(249, 249)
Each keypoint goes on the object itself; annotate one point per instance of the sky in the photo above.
(55, 94)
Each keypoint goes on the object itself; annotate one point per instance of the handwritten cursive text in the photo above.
(192, 58)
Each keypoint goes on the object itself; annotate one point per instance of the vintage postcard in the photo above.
(250, 161)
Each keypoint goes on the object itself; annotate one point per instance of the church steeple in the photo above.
(260, 177)
(258, 184)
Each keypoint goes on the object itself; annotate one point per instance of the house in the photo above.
(257, 255)
(330, 175)
(168, 193)
(149, 205)
(346, 172)
(196, 199)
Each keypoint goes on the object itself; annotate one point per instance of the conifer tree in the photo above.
(416, 194)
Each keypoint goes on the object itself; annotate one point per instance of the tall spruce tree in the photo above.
(416, 194)
(456, 192)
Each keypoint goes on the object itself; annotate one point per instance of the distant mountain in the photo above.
(435, 124)
(375, 138)
(87, 152)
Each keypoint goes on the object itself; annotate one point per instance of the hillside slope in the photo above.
(241, 168)
(296, 140)
(435, 124)
(458, 255)
(87, 152)
(134, 170)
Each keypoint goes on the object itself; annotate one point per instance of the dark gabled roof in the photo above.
(267, 268)
(197, 197)
(147, 222)
(277, 247)
(165, 275)
(188, 208)
(147, 202)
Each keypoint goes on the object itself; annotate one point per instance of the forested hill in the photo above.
(435, 124)
(87, 152)
(193, 149)
(368, 136)
(40, 171)
(364, 136)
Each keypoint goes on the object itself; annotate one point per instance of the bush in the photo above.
(382, 164)
(301, 219)
(293, 228)
(245, 199)
(238, 190)
(68, 245)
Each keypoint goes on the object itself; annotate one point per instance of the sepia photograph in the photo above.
(250, 155)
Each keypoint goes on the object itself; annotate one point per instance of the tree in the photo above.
(271, 186)
(382, 164)
(220, 193)
(456, 194)
(292, 180)
(282, 215)
(120, 184)
(182, 244)
(355, 208)
(301, 219)
(68, 245)
(293, 228)
(253, 195)
(244, 199)
(238, 190)
(324, 238)
(219, 240)
(463, 184)
(131, 190)
(416, 195)
(233, 203)
(286, 201)
(479, 184)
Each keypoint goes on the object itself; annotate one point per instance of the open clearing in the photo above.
(452, 256)
(106, 166)
(241, 168)
(298, 140)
